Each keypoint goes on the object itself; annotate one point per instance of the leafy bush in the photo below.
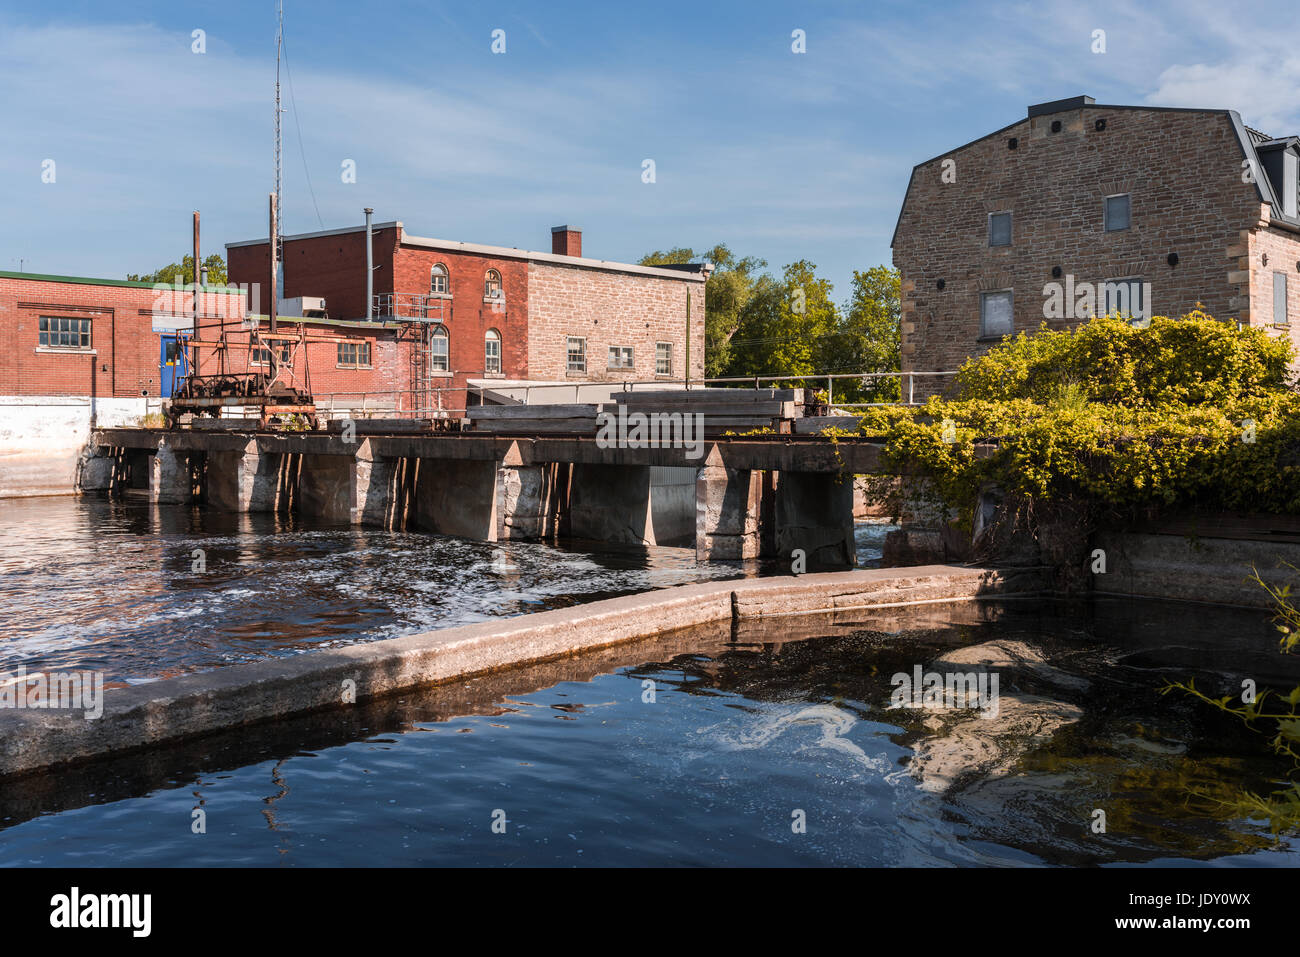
(1185, 413)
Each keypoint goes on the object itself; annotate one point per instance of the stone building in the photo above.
(1081, 209)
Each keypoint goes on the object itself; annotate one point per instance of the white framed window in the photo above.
(492, 285)
(439, 351)
(1117, 212)
(996, 312)
(492, 352)
(1280, 315)
(63, 332)
(663, 358)
(354, 355)
(439, 280)
(999, 229)
(620, 357)
(576, 354)
(1123, 297)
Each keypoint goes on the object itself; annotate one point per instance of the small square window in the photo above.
(1117, 213)
(996, 314)
(663, 358)
(999, 229)
(576, 352)
(1123, 297)
(1280, 315)
(620, 357)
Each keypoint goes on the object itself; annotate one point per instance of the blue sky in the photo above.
(781, 155)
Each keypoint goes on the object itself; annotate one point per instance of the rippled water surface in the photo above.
(772, 743)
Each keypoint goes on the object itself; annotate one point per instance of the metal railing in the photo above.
(907, 379)
(410, 403)
(411, 307)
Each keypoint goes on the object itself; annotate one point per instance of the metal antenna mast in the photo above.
(278, 238)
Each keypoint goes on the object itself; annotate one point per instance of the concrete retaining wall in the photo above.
(177, 709)
(1192, 569)
(42, 438)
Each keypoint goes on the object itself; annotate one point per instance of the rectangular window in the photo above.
(354, 355)
(1280, 316)
(438, 360)
(995, 314)
(663, 358)
(60, 332)
(999, 229)
(1290, 182)
(1117, 213)
(262, 357)
(620, 357)
(1122, 297)
(576, 350)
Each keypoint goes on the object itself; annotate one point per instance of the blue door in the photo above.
(173, 364)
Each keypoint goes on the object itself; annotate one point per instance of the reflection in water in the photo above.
(741, 731)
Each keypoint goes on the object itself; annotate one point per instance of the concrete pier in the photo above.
(727, 514)
(750, 499)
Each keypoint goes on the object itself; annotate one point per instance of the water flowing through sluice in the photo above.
(768, 742)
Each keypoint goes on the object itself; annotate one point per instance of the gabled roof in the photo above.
(1250, 141)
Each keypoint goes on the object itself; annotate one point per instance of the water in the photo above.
(743, 735)
(696, 748)
(109, 586)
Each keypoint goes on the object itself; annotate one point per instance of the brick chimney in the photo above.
(566, 241)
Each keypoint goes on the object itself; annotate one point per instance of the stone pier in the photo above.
(727, 510)
(327, 488)
(169, 477)
(530, 500)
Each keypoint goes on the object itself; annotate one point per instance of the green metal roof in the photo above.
(84, 280)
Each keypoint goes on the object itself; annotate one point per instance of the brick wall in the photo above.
(610, 309)
(1181, 169)
(329, 266)
(125, 351)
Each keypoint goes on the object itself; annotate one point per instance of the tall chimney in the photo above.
(566, 241)
(370, 267)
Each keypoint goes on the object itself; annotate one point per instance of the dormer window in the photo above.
(1290, 182)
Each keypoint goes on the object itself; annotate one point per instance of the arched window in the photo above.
(438, 357)
(438, 280)
(492, 352)
(492, 285)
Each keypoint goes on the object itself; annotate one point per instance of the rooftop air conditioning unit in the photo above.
(308, 307)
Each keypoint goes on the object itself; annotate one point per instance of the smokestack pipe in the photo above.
(370, 267)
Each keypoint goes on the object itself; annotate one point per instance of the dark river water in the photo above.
(770, 744)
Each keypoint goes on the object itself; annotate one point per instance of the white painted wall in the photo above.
(42, 438)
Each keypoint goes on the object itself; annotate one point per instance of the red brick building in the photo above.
(1100, 209)
(447, 316)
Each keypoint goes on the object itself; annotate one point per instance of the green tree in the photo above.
(183, 272)
(725, 296)
(867, 339)
(784, 325)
